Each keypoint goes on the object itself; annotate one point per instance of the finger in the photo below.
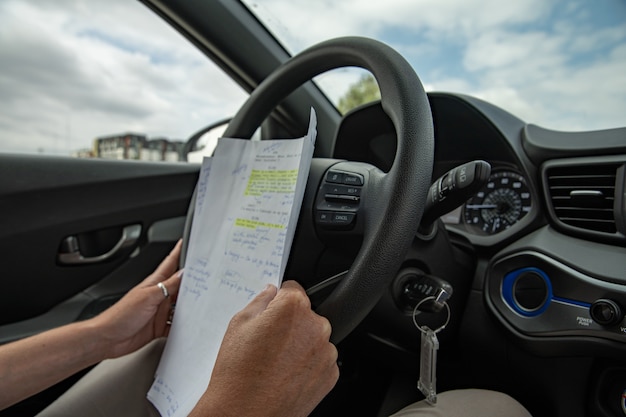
(260, 302)
(165, 304)
(327, 329)
(166, 290)
(160, 319)
(171, 261)
(291, 284)
(173, 284)
(167, 267)
(294, 291)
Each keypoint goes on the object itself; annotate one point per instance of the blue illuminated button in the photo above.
(527, 291)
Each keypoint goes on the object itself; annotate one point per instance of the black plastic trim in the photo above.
(543, 144)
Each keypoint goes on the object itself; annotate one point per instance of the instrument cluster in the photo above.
(501, 203)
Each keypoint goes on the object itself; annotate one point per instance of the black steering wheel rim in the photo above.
(394, 214)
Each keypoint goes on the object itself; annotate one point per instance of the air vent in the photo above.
(583, 196)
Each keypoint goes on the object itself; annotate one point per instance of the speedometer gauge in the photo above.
(498, 205)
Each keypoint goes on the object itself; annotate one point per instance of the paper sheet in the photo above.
(247, 205)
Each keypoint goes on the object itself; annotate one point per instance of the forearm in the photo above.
(33, 364)
(36, 363)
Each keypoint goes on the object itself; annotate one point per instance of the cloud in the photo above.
(72, 75)
(72, 70)
(565, 77)
(325, 19)
(553, 63)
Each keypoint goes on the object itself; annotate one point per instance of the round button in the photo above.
(530, 291)
(605, 312)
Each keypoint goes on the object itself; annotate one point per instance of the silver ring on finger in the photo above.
(166, 294)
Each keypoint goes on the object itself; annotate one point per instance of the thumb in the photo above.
(260, 302)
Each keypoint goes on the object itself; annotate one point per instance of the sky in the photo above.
(72, 70)
(556, 63)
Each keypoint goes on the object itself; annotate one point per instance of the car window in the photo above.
(108, 79)
(555, 63)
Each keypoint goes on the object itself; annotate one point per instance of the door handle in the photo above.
(72, 255)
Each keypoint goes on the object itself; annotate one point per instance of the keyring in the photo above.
(416, 312)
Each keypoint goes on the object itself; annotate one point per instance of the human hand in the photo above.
(275, 360)
(141, 315)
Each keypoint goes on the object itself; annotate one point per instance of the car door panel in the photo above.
(45, 200)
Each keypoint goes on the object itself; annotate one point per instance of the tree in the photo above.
(363, 91)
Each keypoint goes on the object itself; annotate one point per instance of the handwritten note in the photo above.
(247, 205)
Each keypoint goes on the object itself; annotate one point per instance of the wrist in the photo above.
(85, 339)
(101, 339)
(210, 404)
(224, 401)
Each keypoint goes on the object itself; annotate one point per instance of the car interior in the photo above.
(522, 228)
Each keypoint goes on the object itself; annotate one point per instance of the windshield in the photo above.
(73, 72)
(559, 64)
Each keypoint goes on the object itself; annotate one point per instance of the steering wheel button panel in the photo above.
(338, 200)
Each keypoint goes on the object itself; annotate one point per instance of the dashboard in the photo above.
(551, 273)
(535, 172)
(505, 206)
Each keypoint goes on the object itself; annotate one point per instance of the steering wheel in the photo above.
(391, 203)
